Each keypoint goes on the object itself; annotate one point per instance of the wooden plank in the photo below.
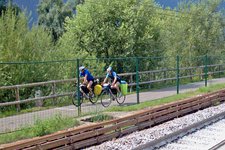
(83, 136)
(144, 118)
(129, 130)
(107, 137)
(145, 124)
(163, 107)
(196, 107)
(31, 148)
(185, 111)
(55, 143)
(66, 147)
(35, 99)
(106, 129)
(173, 115)
(37, 84)
(205, 105)
(187, 105)
(84, 143)
(127, 123)
(116, 126)
(164, 112)
(165, 117)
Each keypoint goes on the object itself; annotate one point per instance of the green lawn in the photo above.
(40, 128)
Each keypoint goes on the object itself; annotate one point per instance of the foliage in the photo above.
(141, 28)
(78, 2)
(112, 28)
(100, 117)
(52, 14)
(193, 30)
(4, 4)
(105, 28)
(18, 43)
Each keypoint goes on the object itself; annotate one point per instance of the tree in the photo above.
(112, 28)
(106, 28)
(78, 2)
(19, 43)
(4, 4)
(23, 51)
(192, 31)
(196, 29)
(52, 14)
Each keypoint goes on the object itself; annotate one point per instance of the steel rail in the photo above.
(182, 132)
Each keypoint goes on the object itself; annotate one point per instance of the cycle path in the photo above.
(12, 123)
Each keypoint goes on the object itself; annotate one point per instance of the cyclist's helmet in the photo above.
(109, 69)
(81, 68)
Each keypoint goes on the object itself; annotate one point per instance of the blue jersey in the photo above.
(112, 76)
(89, 76)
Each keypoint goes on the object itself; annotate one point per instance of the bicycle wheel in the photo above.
(120, 100)
(106, 98)
(75, 99)
(93, 99)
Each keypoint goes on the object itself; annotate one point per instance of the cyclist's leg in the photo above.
(117, 86)
(119, 93)
(81, 90)
(89, 87)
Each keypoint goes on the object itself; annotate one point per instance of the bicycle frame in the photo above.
(107, 101)
(84, 93)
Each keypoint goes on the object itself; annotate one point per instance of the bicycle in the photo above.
(85, 94)
(108, 95)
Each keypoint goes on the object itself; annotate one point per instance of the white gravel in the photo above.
(141, 137)
(205, 138)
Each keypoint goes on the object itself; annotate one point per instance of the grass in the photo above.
(40, 128)
(100, 117)
(165, 100)
(58, 122)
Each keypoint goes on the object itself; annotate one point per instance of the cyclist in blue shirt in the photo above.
(88, 78)
(116, 80)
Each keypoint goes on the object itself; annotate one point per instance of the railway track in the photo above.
(85, 136)
(219, 146)
(206, 134)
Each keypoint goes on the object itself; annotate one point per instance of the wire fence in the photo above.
(40, 90)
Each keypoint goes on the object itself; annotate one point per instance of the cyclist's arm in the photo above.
(115, 78)
(114, 81)
(81, 78)
(85, 78)
(105, 80)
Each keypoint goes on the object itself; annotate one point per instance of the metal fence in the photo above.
(49, 86)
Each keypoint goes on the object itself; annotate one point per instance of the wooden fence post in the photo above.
(17, 98)
(54, 92)
(131, 81)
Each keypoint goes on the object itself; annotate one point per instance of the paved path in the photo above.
(16, 122)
